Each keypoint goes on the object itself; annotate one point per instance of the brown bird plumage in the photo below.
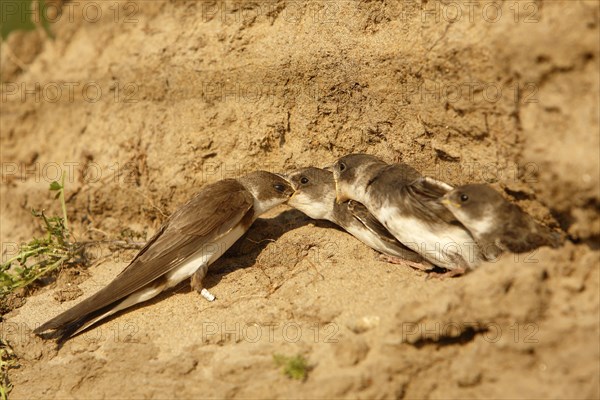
(191, 239)
(497, 224)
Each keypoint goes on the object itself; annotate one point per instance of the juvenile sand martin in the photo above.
(191, 239)
(496, 224)
(409, 206)
(314, 195)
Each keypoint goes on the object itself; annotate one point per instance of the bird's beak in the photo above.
(292, 200)
(287, 179)
(449, 204)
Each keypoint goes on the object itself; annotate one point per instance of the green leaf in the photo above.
(295, 367)
(55, 186)
(45, 23)
(16, 15)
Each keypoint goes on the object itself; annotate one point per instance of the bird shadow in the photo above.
(243, 254)
(246, 251)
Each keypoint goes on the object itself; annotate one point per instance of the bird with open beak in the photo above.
(191, 239)
(314, 195)
(409, 206)
(496, 224)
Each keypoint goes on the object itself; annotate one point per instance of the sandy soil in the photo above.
(148, 103)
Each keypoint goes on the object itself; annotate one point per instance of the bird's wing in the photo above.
(433, 187)
(208, 216)
(429, 192)
(362, 214)
(521, 244)
(524, 234)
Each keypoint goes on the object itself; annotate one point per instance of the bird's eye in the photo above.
(304, 180)
(342, 167)
(464, 197)
(279, 187)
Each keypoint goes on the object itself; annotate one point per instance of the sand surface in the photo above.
(157, 98)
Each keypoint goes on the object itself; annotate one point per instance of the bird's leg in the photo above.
(197, 283)
(422, 266)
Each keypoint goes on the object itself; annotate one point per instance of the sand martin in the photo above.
(314, 195)
(409, 206)
(496, 224)
(191, 239)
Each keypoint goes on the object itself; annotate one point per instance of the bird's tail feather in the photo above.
(77, 319)
(64, 331)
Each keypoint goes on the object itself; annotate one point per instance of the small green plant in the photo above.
(43, 255)
(295, 367)
(17, 16)
(8, 360)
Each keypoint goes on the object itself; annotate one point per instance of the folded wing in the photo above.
(205, 218)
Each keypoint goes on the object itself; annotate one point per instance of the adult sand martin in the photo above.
(314, 195)
(409, 206)
(191, 239)
(496, 224)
